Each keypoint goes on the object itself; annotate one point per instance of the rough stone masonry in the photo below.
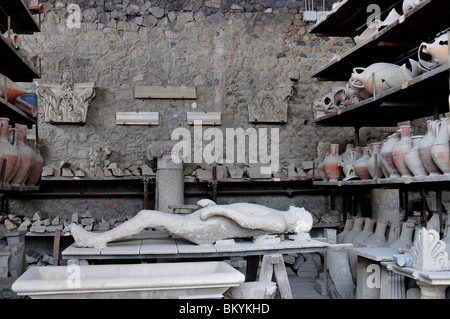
(227, 49)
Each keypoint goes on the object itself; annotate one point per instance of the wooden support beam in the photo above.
(274, 264)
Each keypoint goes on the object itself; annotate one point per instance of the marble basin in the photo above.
(184, 280)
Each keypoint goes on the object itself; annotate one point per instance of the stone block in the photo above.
(48, 171)
(56, 221)
(36, 216)
(67, 172)
(117, 172)
(37, 229)
(10, 226)
(103, 226)
(252, 290)
(53, 228)
(87, 221)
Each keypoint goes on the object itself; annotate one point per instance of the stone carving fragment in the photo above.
(66, 103)
(207, 225)
(270, 105)
(428, 252)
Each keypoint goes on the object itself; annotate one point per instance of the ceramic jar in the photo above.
(378, 239)
(437, 50)
(440, 151)
(8, 152)
(347, 228)
(322, 173)
(386, 155)
(425, 145)
(399, 150)
(405, 240)
(374, 162)
(27, 156)
(36, 170)
(412, 158)
(332, 163)
(361, 164)
(357, 228)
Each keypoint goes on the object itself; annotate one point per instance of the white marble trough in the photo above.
(184, 280)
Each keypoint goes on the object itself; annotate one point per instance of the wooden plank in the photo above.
(165, 92)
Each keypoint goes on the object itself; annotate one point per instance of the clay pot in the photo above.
(440, 151)
(405, 240)
(373, 78)
(437, 50)
(371, 30)
(347, 228)
(399, 150)
(425, 145)
(408, 5)
(378, 239)
(386, 155)
(322, 172)
(331, 163)
(361, 164)
(374, 165)
(357, 228)
(412, 158)
(36, 170)
(27, 156)
(8, 152)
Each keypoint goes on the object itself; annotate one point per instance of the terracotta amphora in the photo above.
(425, 145)
(405, 240)
(36, 170)
(347, 228)
(412, 158)
(378, 239)
(399, 150)
(331, 163)
(386, 155)
(8, 152)
(440, 151)
(374, 162)
(437, 50)
(27, 156)
(360, 165)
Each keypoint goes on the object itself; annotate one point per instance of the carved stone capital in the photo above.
(428, 252)
(66, 103)
(270, 104)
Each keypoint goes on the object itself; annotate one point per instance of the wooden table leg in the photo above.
(275, 264)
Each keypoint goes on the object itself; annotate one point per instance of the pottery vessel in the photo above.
(27, 156)
(8, 152)
(412, 158)
(378, 239)
(322, 173)
(408, 5)
(440, 151)
(386, 155)
(357, 228)
(446, 236)
(347, 228)
(405, 240)
(331, 163)
(425, 145)
(374, 162)
(372, 79)
(361, 164)
(399, 150)
(36, 170)
(437, 50)
(371, 30)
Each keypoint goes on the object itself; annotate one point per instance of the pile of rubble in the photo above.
(35, 224)
(108, 169)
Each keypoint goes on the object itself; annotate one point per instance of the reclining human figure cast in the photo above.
(206, 225)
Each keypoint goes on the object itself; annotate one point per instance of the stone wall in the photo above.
(228, 50)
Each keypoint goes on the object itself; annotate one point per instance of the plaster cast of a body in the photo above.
(207, 225)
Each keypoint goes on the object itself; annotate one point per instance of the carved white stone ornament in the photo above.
(270, 104)
(428, 252)
(66, 103)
